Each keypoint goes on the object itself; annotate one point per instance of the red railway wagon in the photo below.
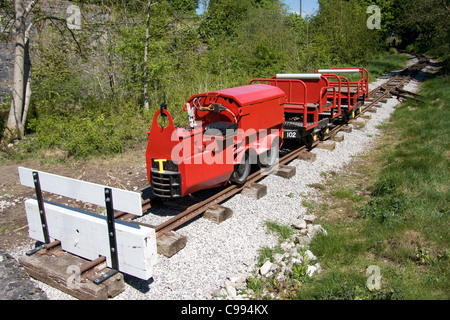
(312, 103)
(228, 131)
(352, 93)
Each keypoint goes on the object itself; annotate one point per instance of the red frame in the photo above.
(314, 91)
(362, 85)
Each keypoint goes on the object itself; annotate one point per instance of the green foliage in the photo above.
(343, 25)
(265, 253)
(300, 270)
(91, 131)
(222, 17)
(344, 292)
(4, 111)
(413, 182)
(389, 14)
(430, 29)
(184, 5)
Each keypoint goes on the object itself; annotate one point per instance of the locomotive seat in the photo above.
(344, 90)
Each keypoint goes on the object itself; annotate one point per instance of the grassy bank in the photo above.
(391, 210)
(386, 215)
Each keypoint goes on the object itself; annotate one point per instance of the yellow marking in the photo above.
(161, 164)
(353, 114)
(326, 130)
(314, 137)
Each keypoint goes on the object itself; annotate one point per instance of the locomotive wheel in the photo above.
(269, 158)
(241, 171)
(345, 116)
(309, 139)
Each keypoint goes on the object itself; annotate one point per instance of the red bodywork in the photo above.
(228, 123)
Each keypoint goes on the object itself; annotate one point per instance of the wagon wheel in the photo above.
(241, 171)
(309, 139)
(346, 116)
(269, 158)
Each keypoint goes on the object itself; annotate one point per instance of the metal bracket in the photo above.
(37, 187)
(112, 238)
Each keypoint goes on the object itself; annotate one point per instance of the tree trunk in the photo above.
(147, 36)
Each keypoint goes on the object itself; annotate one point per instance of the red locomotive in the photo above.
(228, 131)
(231, 129)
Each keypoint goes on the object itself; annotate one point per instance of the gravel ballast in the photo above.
(216, 252)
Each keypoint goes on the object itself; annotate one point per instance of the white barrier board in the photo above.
(86, 234)
(123, 200)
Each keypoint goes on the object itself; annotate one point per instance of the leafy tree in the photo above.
(188, 6)
(343, 25)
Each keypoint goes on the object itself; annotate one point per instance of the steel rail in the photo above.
(221, 196)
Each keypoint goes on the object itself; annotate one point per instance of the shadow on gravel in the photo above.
(15, 284)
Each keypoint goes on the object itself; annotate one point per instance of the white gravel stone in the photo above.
(311, 270)
(310, 255)
(309, 217)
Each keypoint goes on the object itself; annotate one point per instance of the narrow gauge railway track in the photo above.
(193, 210)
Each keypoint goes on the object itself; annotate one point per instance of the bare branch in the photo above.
(30, 7)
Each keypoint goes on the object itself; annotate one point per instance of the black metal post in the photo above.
(37, 187)
(112, 238)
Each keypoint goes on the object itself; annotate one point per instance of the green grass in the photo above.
(94, 127)
(403, 226)
(281, 230)
(343, 251)
(381, 64)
